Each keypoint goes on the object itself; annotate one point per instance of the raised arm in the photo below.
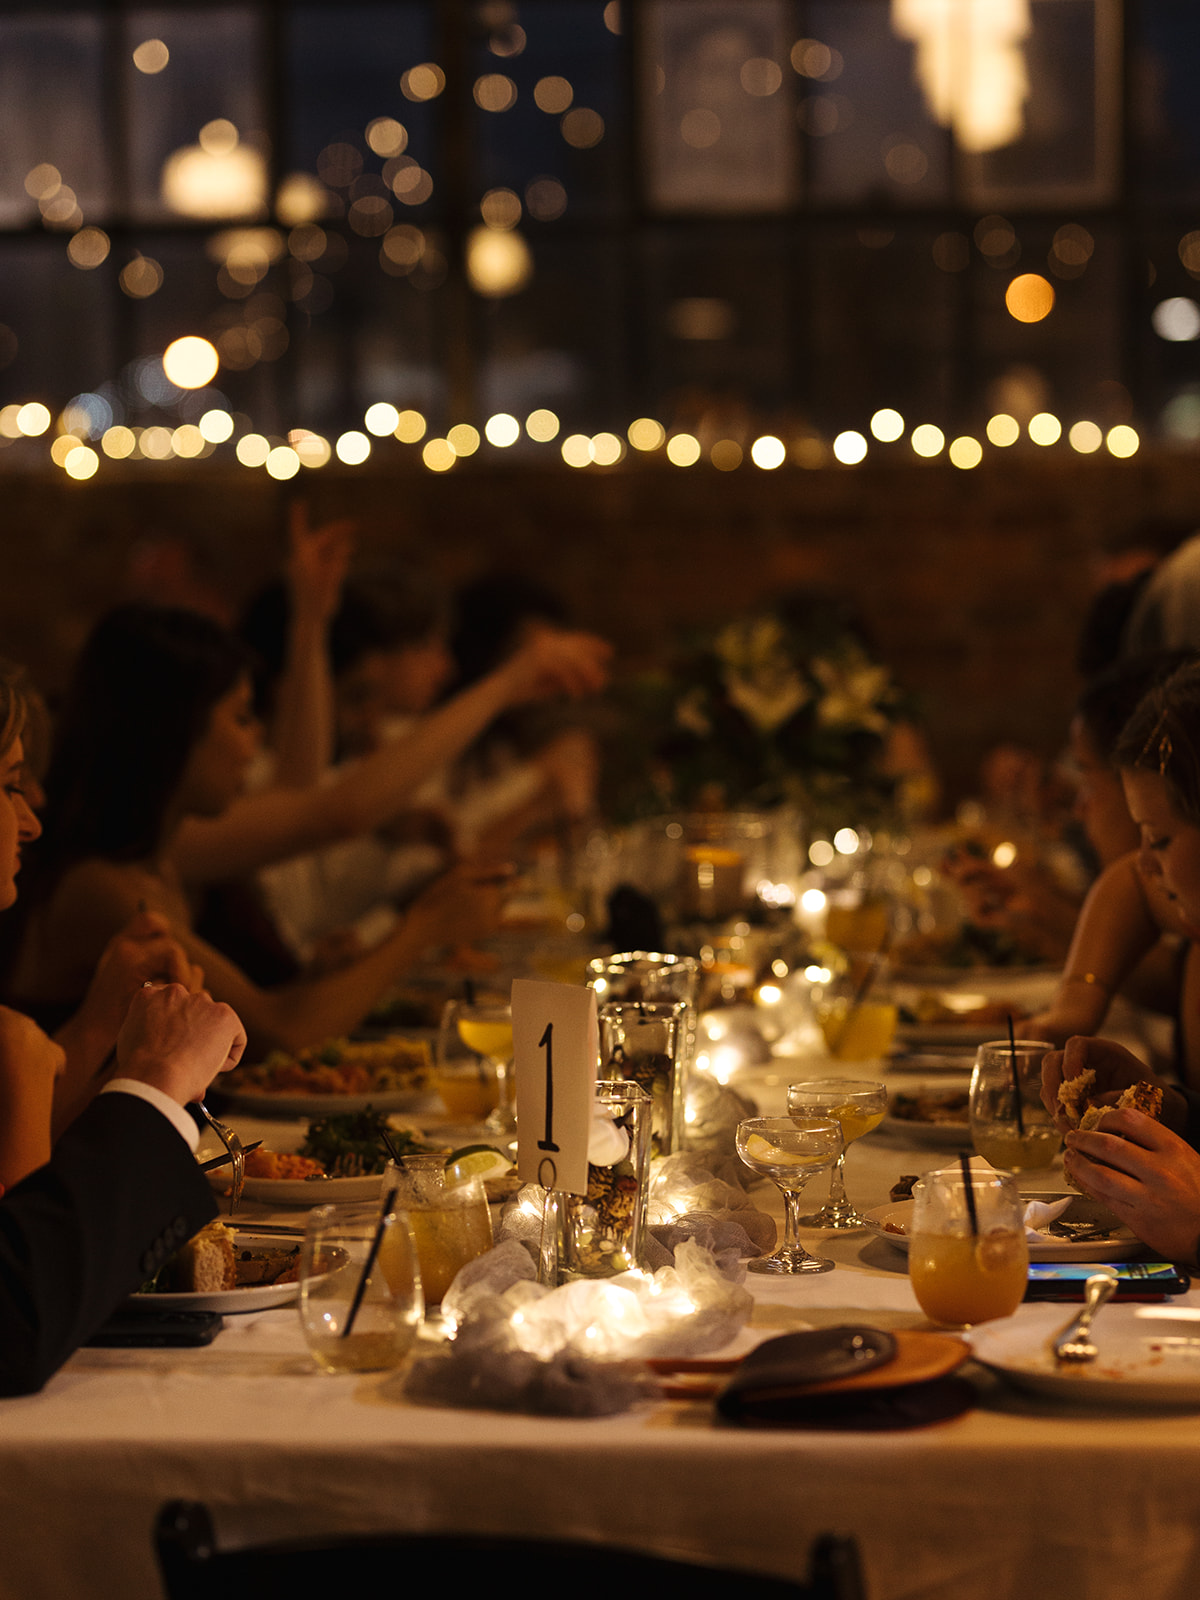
(1117, 926)
(302, 730)
(276, 824)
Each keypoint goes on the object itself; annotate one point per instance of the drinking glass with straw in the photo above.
(361, 1302)
(856, 1015)
(968, 1259)
(1010, 1126)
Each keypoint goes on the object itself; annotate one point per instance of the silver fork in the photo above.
(1073, 1344)
(237, 1153)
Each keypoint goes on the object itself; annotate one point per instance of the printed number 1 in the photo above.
(547, 1040)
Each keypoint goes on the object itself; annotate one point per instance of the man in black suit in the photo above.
(121, 1192)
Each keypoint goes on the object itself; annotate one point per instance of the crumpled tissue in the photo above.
(522, 1347)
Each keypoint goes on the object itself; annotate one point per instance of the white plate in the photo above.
(948, 1061)
(301, 1191)
(949, 1035)
(257, 1297)
(1120, 1246)
(264, 1103)
(1149, 1355)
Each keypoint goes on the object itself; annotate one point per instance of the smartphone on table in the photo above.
(1136, 1280)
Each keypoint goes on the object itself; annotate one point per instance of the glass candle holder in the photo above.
(640, 1043)
(601, 1233)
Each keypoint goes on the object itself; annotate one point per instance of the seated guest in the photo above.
(120, 1193)
(157, 727)
(1146, 1171)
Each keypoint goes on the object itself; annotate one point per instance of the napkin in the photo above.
(1039, 1216)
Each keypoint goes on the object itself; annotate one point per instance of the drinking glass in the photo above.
(1007, 1076)
(857, 1016)
(640, 1043)
(450, 1220)
(350, 1326)
(965, 1271)
(789, 1151)
(857, 1105)
(478, 1034)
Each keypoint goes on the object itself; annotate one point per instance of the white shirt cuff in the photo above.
(175, 1114)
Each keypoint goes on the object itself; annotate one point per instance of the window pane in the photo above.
(50, 83)
(215, 73)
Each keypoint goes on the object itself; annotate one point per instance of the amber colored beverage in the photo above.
(960, 1280)
(1005, 1148)
(467, 1096)
(858, 1033)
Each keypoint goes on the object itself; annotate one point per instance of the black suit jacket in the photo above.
(118, 1197)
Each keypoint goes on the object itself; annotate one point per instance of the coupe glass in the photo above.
(475, 1063)
(1007, 1075)
(351, 1325)
(789, 1151)
(857, 1105)
(965, 1271)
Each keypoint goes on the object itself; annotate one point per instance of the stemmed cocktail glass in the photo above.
(789, 1151)
(484, 1028)
(857, 1105)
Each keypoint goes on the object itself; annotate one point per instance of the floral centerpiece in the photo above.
(773, 709)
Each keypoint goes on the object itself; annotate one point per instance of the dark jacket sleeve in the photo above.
(118, 1197)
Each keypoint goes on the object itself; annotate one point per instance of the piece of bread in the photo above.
(1073, 1095)
(205, 1264)
(1143, 1096)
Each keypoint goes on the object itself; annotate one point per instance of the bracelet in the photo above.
(1089, 977)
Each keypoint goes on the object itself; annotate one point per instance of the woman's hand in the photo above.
(143, 952)
(317, 562)
(462, 905)
(1116, 1069)
(555, 661)
(1147, 1175)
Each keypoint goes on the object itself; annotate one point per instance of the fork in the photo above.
(237, 1152)
(1073, 1344)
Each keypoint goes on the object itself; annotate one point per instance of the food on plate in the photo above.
(902, 1190)
(340, 1066)
(943, 1107)
(212, 1262)
(264, 1163)
(931, 1010)
(352, 1146)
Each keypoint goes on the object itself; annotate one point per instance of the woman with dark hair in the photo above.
(158, 727)
(1147, 1171)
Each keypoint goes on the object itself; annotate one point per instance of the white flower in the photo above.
(760, 677)
(853, 690)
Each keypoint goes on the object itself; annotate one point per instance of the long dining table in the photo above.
(1021, 1496)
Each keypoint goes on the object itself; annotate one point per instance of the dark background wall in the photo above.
(972, 584)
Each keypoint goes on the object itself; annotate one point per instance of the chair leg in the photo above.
(836, 1569)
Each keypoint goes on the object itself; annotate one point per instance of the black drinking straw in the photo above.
(964, 1162)
(385, 1139)
(1016, 1077)
(389, 1202)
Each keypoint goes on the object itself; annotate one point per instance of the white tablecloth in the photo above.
(1016, 1499)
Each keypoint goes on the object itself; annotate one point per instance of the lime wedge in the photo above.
(476, 1161)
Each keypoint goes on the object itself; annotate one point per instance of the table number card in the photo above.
(556, 1049)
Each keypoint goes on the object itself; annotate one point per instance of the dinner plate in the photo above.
(255, 1297)
(1149, 1355)
(937, 1135)
(266, 1103)
(1120, 1245)
(956, 1061)
(301, 1191)
(948, 1035)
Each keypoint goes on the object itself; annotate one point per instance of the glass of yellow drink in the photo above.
(790, 1151)
(1010, 1126)
(856, 1014)
(351, 1325)
(475, 1039)
(965, 1270)
(450, 1220)
(857, 1105)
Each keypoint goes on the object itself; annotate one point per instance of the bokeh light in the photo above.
(576, 450)
(887, 425)
(216, 426)
(1029, 297)
(1045, 428)
(353, 448)
(1122, 441)
(252, 449)
(1176, 320)
(282, 463)
(410, 427)
(381, 419)
(81, 462)
(767, 452)
(542, 426)
(464, 439)
(190, 362)
(645, 433)
(928, 440)
(850, 448)
(966, 452)
(438, 455)
(33, 419)
(1085, 437)
(683, 450)
(502, 430)
(1003, 430)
